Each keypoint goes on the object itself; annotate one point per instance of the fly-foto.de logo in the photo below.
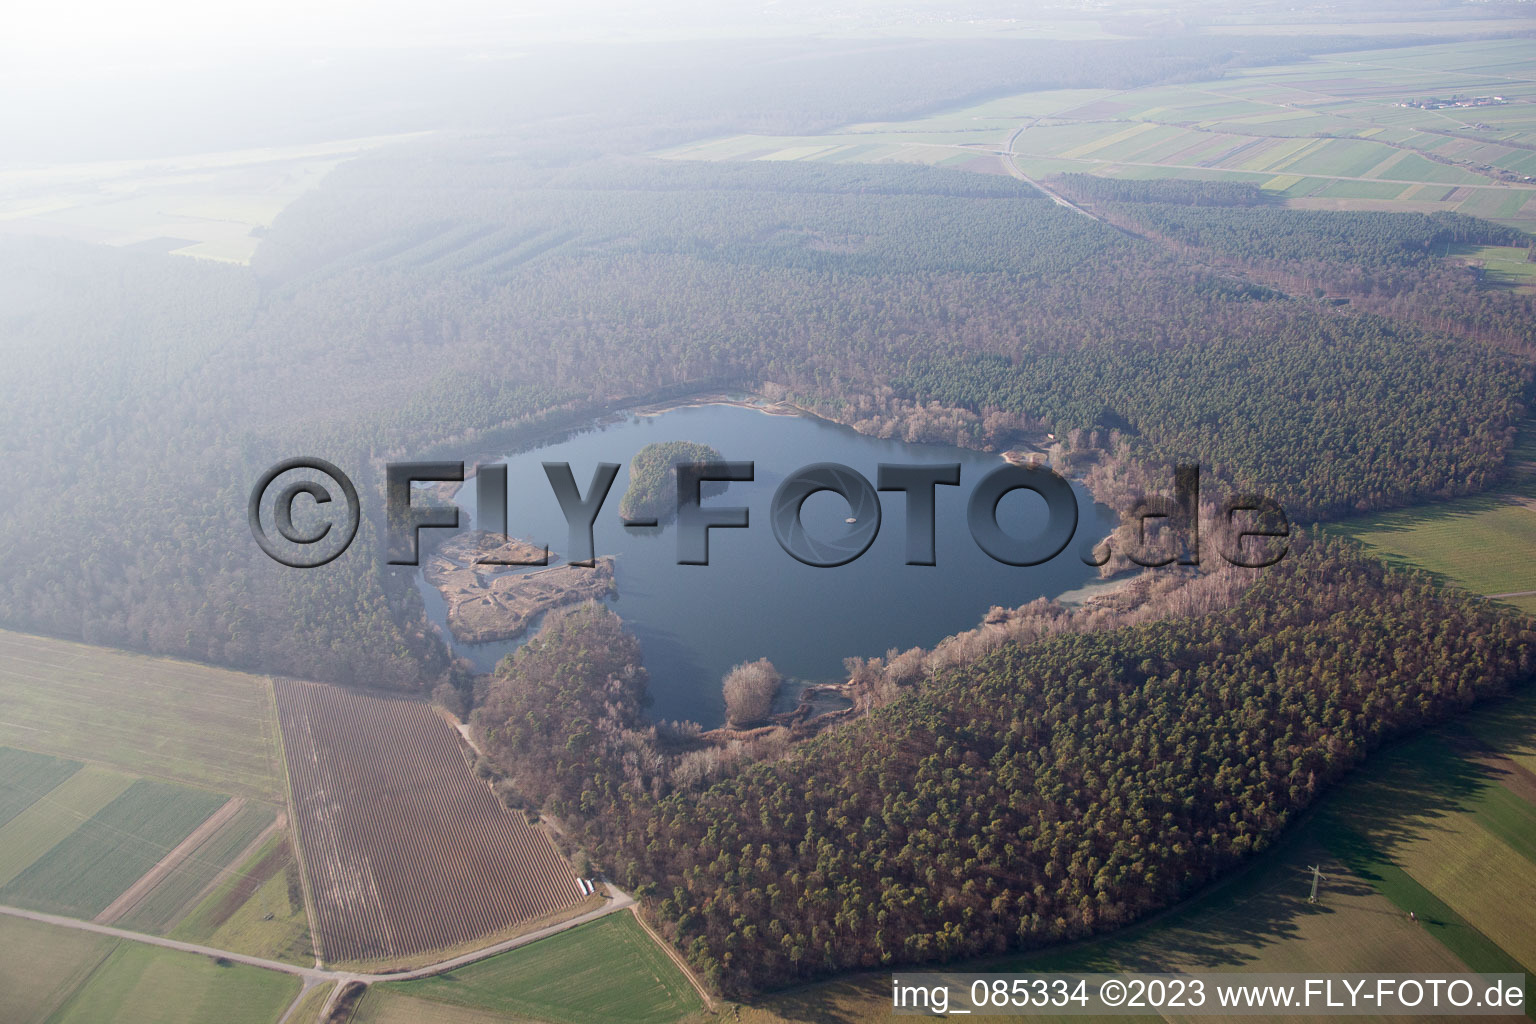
(304, 512)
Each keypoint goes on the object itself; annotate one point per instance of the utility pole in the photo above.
(1317, 876)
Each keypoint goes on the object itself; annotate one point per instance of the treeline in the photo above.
(835, 296)
(1180, 191)
(464, 296)
(1294, 404)
(787, 176)
(1401, 265)
(1359, 238)
(1031, 796)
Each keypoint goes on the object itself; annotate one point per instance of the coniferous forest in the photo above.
(1044, 792)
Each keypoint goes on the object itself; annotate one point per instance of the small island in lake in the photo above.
(488, 601)
(652, 490)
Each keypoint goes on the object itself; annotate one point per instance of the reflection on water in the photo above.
(753, 600)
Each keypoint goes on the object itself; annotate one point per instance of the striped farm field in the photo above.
(160, 907)
(404, 850)
(25, 776)
(256, 908)
(73, 835)
(107, 852)
(1336, 124)
(1479, 877)
(55, 815)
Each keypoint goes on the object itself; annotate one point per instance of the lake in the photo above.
(754, 600)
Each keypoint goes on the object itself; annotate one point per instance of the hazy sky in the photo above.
(46, 41)
(73, 37)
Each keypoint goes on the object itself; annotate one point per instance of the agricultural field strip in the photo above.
(27, 776)
(258, 909)
(128, 714)
(53, 816)
(1237, 126)
(1082, 153)
(231, 869)
(1422, 71)
(1267, 174)
(216, 717)
(676, 958)
(148, 985)
(608, 970)
(91, 655)
(84, 871)
(138, 684)
(42, 967)
(619, 901)
(1480, 877)
(111, 786)
(173, 859)
(446, 767)
(377, 884)
(1374, 144)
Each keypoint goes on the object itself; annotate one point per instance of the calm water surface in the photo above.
(753, 600)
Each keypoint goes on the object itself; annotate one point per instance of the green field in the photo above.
(58, 975)
(74, 837)
(257, 909)
(1482, 544)
(1464, 857)
(164, 906)
(105, 854)
(25, 776)
(55, 816)
(1502, 265)
(1486, 544)
(41, 966)
(173, 720)
(1331, 132)
(607, 970)
(149, 985)
(308, 1009)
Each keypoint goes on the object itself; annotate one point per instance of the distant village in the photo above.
(1437, 103)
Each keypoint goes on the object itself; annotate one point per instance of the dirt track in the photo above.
(170, 862)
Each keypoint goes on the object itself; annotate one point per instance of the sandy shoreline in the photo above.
(1095, 589)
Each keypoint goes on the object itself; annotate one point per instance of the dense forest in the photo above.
(1402, 265)
(454, 297)
(1037, 794)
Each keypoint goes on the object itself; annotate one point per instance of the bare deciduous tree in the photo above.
(749, 690)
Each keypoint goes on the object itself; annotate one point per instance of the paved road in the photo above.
(1013, 168)
(617, 901)
(311, 976)
(311, 973)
